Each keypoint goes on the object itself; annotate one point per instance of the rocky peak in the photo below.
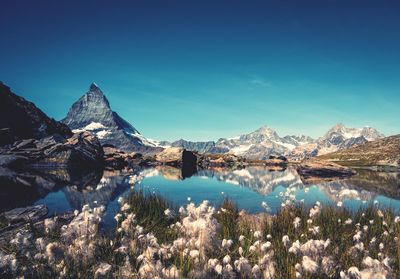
(92, 112)
(94, 87)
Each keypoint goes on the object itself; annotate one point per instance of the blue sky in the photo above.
(203, 70)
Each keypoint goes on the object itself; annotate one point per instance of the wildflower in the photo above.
(295, 247)
(125, 207)
(339, 204)
(309, 265)
(256, 270)
(218, 269)
(241, 238)
(348, 221)
(212, 263)
(240, 251)
(189, 199)
(168, 213)
(296, 222)
(228, 268)
(252, 249)
(269, 236)
(359, 246)
(118, 217)
(265, 246)
(381, 246)
(227, 243)
(354, 272)
(397, 219)
(380, 213)
(357, 236)
(226, 259)
(120, 200)
(285, 240)
(257, 234)
(194, 254)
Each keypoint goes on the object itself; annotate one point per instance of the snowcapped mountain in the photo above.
(199, 146)
(259, 144)
(262, 143)
(337, 138)
(92, 112)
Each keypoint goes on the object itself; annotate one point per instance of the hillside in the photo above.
(383, 152)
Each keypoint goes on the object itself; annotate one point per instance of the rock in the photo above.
(176, 156)
(170, 155)
(20, 119)
(25, 214)
(311, 169)
(220, 160)
(81, 151)
(115, 158)
(6, 136)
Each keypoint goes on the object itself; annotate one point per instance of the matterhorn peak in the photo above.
(94, 87)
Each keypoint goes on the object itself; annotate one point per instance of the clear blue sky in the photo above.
(208, 69)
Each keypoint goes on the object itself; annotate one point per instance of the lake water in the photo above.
(250, 188)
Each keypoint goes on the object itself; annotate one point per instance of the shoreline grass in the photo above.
(155, 238)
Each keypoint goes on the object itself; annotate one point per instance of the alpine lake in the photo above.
(253, 189)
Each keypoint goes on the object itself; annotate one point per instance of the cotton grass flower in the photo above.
(285, 240)
(296, 222)
(309, 265)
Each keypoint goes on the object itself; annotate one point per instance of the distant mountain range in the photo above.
(264, 142)
(93, 113)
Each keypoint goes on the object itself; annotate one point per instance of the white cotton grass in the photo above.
(201, 243)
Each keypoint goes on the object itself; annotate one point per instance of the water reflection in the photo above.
(255, 185)
(249, 187)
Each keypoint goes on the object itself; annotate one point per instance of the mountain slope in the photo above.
(199, 146)
(92, 112)
(20, 119)
(262, 143)
(378, 153)
(259, 144)
(337, 138)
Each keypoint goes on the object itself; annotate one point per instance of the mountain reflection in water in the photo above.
(248, 187)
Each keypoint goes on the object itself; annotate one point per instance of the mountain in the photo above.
(199, 146)
(256, 145)
(383, 152)
(262, 143)
(337, 138)
(92, 112)
(20, 119)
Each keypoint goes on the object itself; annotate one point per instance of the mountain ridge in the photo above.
(92, 112)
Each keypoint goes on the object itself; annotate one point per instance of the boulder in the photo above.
(177, 156)
(80, 152)
(170, 155)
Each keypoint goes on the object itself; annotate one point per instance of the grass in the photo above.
(149, 210)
